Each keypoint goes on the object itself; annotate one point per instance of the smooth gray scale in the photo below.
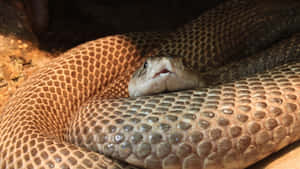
(175, 138)
(183, 150)
(119, 121)
(184, 126)
(196, 137)
(135, 107)
(126, 116)
(146, 111)
(136, 138)
(111, 128)
(185, 97)
(191, 161)
(179, 107)
(172, 161)
(212, 103)
(164, 127)
(194, 109)
(104, 121)
(204, 124)
(170, 99)
(135, 120)
(171, 117)
(143, 150)
(165, 104)
(163, 149)
(153, 162)
(198, 100)
(208, 114)
(102, 138)
(145, 128)
(189, 116)
(150, 106)
(162, 109)
(154, 101)
(155, 138)
(153, 119)
(123, 108)
(177, 112)
(204, 148)
(125, 149)
(127, 128)
(118, 138)
(109, 148)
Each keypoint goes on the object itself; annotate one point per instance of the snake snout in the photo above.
(163, 72)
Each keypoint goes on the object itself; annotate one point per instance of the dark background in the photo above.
(72, 22)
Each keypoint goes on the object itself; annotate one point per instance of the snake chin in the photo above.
(164, 74)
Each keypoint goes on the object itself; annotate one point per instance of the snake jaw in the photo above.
(164, 72)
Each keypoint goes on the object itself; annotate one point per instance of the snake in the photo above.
(72, 113)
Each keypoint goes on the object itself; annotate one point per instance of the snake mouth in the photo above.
(163, 72)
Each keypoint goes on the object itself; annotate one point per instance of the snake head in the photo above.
(163, 74)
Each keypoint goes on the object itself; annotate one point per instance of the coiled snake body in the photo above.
(47, 123)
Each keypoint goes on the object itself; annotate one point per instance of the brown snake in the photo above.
(49, 120)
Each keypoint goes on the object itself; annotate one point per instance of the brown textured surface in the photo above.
(281, 52)
(36, 119)
(53, 94)
(232, 30)
(229, 126)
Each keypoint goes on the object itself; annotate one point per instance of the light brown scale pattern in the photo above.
(232, 30)
(228, 126)
(35, 120)
(34, 124)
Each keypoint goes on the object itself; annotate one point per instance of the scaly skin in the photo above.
(147, 80)
(46, 103)
(35, 122)
(229, 126)
(231, 31)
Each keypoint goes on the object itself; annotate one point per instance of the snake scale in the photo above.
(61, 115)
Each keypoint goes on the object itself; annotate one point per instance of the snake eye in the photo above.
(145, 64)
